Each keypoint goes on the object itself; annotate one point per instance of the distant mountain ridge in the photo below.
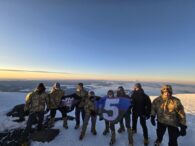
(100, 87)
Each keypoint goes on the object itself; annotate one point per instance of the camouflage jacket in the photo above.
(55, 98)
(35, 102)
(170, 111)
(90, 104)
(83, 95)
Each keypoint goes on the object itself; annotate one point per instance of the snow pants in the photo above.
(172, 131)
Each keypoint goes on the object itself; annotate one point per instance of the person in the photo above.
(90, 112)
(108, 125)
(80, 107)
(55, 96)
(36, 102)
(170, 115)
(121, 93)
(141, 109)
(80, 95)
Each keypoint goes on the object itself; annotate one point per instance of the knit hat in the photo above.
(138, 85)
(167, 88)
(80, 84)
(56, 85)
(91, 93)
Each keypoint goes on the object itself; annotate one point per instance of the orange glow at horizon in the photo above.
(51, 76)
(14, 75)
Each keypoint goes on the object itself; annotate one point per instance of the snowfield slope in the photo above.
(70, 137)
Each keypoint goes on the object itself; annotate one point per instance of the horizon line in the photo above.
(34, 71)
(99, 77)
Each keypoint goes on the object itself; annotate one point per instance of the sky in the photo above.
(152, 40)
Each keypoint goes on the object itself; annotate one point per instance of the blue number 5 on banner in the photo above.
(111, 105)
(113, 109)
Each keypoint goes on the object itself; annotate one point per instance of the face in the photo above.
(120, 90)
(91, 94)
(40, 89)
(110, 95)
(79, 88)
(166, 93)
(136, 89)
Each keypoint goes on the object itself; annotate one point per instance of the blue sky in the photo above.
(131, 38)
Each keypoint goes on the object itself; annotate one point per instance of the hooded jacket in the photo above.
(36, 102)
(141, 103)
(55, 98)
(169, 111)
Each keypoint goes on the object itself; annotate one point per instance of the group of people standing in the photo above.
(168, 110)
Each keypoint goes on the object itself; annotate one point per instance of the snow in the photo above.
(70, 137)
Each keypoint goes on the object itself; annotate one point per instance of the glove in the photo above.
(153, 120)
(182, 131)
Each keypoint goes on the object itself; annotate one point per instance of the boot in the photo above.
(25, 144)
(24, 140)
(65, 124)
(94, 131)
(130, 137)
(146, 142)
(121, 129)
(81, 136)
(77, 126)
(157, 143)
(106, 131)
(134, 131)
(113, 138)
(51, 123)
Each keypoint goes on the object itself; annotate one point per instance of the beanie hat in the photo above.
(56, 85)
(166, 87)
(138, 85)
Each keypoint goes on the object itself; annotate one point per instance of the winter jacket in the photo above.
(89, 106)
(125, 96)
(36, 102)
(141, 103)
(170, 111)
(55, 98)
(83, 94)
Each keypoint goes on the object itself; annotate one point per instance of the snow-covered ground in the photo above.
(70, 137)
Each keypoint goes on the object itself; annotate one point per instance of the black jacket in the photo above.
(141, 103)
